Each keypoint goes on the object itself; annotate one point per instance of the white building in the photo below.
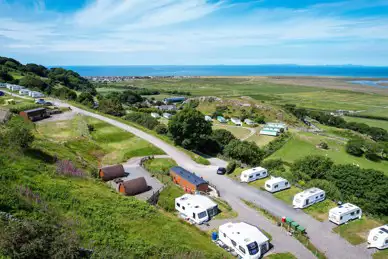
(249, 122)
(236, 121)
(196, 208)
(378, 237)
(36, 94)
(24, 92)
(16, 87)
(167, 115)
(208, 118)
(344, 213)
(308, 197)
(155, 115)
(253, 174)
(276, 184)
(277, 125)
(268, 132)
(246, 240)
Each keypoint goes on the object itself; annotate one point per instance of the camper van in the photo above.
(344, 213)
(196, 208)
(253, 174)
(378, 237)
(246, 240)
(308, 197)
(276, 184)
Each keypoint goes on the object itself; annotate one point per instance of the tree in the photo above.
(5, 77)
(244, 151)
(231, 167)
(260, 119)
(378, 134)
(223, 136)
(355, 147)
(17, 132)
(130, 97)
(33, 83)
(36, 69)
(161, 129)
(65, 93)
(274, 165)
(330, 188)
(324, 145)
(143, 119)
(86, 99)
(312, 167)
(111, 106)
(189, 128)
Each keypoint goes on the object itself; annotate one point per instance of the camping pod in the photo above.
(133, 187)
(109, 173)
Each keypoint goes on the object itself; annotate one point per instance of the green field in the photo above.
(356, 231)
(261, 140)
(370, 122)
(238, 132)
(304, 144)
(118, 145)
(281, 256)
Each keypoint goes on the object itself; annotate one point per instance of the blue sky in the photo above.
(194, 32)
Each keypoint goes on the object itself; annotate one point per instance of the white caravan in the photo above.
(197, 208)
(24, 92)
(344, 213)
(236, 121)
(253, 174)
(276, 184)
(308, 197)
(378, 237)
(246, 240)
(155, 115)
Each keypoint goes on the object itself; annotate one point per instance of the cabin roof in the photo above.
(243, 233)
(310, 192)
(188, 176)
(112, 172)
(135, 186)
(197, 200)
(275, 180)
(344, 208)
(254, 170)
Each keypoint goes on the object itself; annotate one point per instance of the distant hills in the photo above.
(38, 77)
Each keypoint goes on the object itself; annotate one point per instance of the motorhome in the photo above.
(196, 208)
(378, 237)
(308, 197)
(246, 240)
(276, 184)
(253, 174)
(344, 213)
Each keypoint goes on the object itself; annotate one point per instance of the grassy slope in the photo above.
(356, 232)
(104, 219)
(370, 122)
(237, 132)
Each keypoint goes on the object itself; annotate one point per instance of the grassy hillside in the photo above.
(112, 225)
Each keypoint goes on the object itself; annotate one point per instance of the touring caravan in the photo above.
(276, 184)
(344, 213)
(253, 174)
(378, 237)
(155, 115)
(308, 197)
(246, 240)
(236, 121)
(197, 208)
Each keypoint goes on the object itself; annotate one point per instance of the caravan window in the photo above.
(183, 207)
(269, 186)
(286, 183)
(251, 176)
(253, 248)
(257, 175)
(358, 212)
(386, 241)
(178, 205)
(242, 249)
(352, 213)
(321, 195)
(233, 242)
(202, 214)
(276, 186)
(193, 215)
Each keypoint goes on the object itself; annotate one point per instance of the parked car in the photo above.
(221, 171)
(40, 101)
(48, 103)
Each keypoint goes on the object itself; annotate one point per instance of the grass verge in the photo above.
(356, 232)
(281, 256)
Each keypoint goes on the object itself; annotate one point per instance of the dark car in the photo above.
(221, 170)
(2, 93)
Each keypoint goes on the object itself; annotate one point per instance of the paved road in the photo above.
(319, 233)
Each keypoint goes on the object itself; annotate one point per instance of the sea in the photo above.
(227, 70)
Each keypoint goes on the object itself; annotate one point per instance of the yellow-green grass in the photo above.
(382, 254)
(16, 75)
(304, 144)
(370, 122)
(226, 211)
(281, 256)
(287, 195)
(356, 231)
(261, 140)
(238, 132)
(320, 210)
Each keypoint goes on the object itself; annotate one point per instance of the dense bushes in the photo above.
(372, 150)
(86, 99)
(223, 137)
(34, 83)
(231, 167)
(245, 152)
(64, 93)
(143, 119)
(364, 187)
(161, 129)
(355, 147)
(111, 106)
(276, 144)
(16, 133)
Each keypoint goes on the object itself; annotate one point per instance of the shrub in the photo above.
(223, 136)
(276, 144)
(312, 167)
(143, 119)
(372, 156)
(231, 167)
(274, 165)
(355, 147)
(245, 152)
(161, 129)
(331, 189)
(323, 145)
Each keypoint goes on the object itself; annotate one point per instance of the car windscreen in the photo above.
(253, 248)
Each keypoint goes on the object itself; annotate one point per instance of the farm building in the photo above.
(221, 119)
(174, 100)
(109, 173)
(344, 213)
(155, 115)
(197, 208)
(208, 118)
(24, 92)
(167, 108)
(187, 180)
(167, 115)
(35, 114)
(249, 122)
(247, 240)
(236, 121)
(378, 237)
(133, 187)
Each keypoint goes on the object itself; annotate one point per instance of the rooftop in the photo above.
(309, 192)
(343, 208)
(243, 233)
(197, 201)
(189, 176)
(275, 180)
(35, 110)
(255, 169)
